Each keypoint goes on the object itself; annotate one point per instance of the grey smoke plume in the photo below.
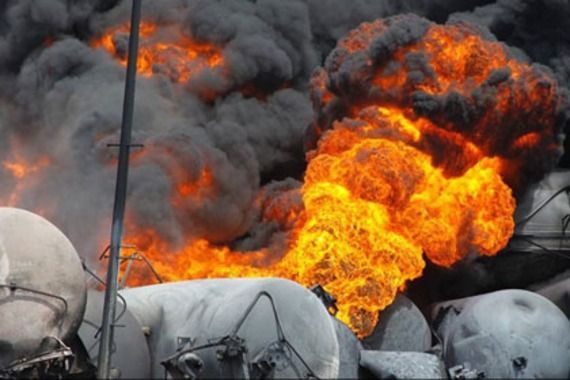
(63, 101)
(61, 98)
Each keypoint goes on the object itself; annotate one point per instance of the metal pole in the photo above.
(107, 328)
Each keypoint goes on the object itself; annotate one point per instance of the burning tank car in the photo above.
(270, 328)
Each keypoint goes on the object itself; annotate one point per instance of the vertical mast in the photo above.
(107, 328)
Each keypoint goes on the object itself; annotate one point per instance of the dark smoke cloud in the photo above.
(65, 102)
(267, 42)
(537, 28)
(279, 204)
(333, 19)
(60, 98)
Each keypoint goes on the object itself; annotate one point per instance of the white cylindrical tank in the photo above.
(42, 287)
(202, 312)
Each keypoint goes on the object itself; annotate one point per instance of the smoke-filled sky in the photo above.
(216, 145)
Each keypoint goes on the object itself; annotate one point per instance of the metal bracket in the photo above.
(184, 342)
(232, 347)
(464, 372)
(116, 145)
(130, 259)
(520, 363)
(53, 364)
(188, 365)
(565, 223)
(326, 298)
(274, 357)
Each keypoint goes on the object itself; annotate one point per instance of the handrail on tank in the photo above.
(137, 255)
(13, 287)
(536, 210)
(90, 272)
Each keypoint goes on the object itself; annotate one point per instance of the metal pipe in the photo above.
(107, 328)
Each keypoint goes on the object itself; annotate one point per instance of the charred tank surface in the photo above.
(42, 291)
(232, 328)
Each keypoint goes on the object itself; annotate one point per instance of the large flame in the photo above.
(422, 135)
(370, 211)
(394, 180)
(163, 49)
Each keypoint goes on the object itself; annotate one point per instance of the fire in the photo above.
(20, 169)
(17, 169)
(23, 173)
(163, 49)
(421, 142)
(199, 187)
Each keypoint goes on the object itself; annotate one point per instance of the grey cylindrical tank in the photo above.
(36, 257)
(401, 365)
(131, 356)
(196, 313)
(349, 351)
(559, 293)
(508, 334)
(401, 327)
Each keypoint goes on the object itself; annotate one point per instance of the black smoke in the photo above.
(61, 98)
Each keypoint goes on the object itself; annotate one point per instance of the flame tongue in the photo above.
(166, 50)
(24, 171)
(438, 122)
